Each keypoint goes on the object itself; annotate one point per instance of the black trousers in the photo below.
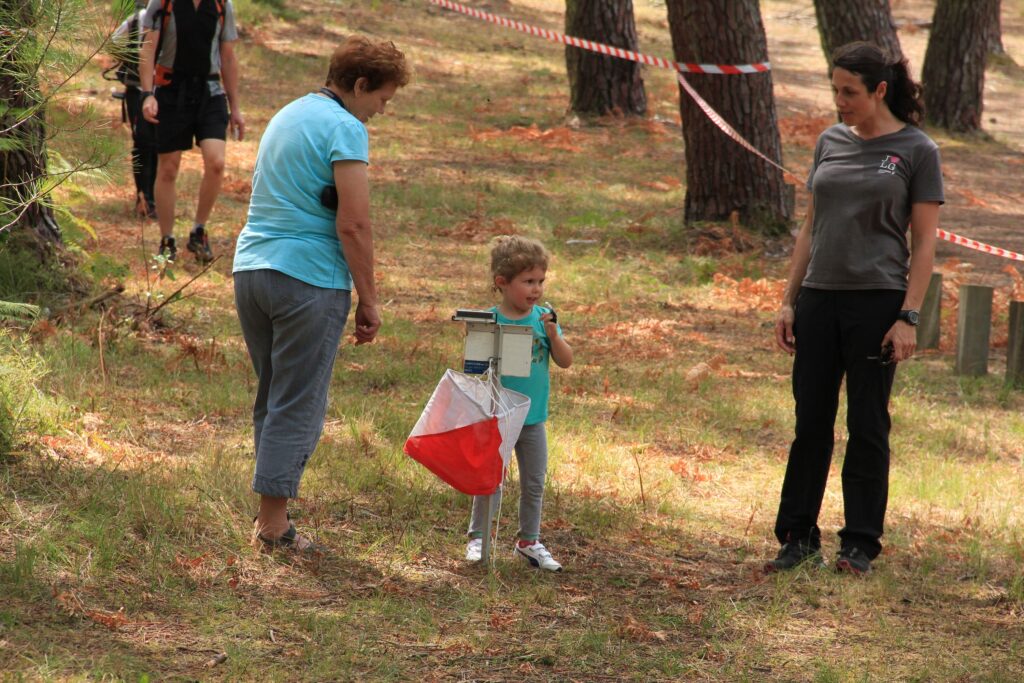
(840, 333)
(144, 157)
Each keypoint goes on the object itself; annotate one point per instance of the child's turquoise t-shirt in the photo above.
(538, 385)
(288, 229)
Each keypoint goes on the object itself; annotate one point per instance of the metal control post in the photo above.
(502, 350)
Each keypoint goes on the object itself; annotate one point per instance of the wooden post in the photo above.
(931, 313)
(973, 326)
(1015, 347)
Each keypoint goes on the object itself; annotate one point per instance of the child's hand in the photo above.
(550, 320)
(550, 326)
(551, 312)
(561, 352)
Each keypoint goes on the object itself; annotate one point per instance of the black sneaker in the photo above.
(853, 561)
(199, 244)
(792, 555)
(168, 249)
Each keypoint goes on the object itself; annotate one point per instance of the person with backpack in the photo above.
(127, 41)
(189, 78)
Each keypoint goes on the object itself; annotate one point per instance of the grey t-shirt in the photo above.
(153, 21)
(863, 192)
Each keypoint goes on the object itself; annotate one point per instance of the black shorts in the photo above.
(187, 113)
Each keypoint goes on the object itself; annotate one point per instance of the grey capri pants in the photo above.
(292, 330)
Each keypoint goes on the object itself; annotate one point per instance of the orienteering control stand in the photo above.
(498, 350)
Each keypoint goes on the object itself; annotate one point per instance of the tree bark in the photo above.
(722, 177)
(841, 22)
(995, 30)
(23, 152)
(953, 78)
(600, 84)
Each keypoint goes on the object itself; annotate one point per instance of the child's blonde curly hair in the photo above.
(513, 254)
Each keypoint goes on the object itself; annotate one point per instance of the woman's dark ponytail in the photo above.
(867, 60)
(904, 95)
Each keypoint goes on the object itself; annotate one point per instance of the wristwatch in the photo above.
(143, 94)
(910, 316)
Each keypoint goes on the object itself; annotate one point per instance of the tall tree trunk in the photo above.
(600, 84)
(722, 177)
(995, 30)
(23, 136)
(842, 21)
(954, 64)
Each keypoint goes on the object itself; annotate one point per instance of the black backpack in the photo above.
(127, 68)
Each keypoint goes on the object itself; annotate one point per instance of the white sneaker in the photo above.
(474, 549)
(538, 556)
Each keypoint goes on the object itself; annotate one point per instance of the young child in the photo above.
(518, 267)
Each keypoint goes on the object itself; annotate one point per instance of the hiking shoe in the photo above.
(792, 555)
(853, 561)
(199, 244)
(474, 549)
(168, 249)
(538, 556)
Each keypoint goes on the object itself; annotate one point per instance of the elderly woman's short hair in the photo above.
(379, 62)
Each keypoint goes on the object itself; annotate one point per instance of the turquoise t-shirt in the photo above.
(538, 385)
(288, 229)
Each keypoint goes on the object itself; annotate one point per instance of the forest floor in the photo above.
(125, 525)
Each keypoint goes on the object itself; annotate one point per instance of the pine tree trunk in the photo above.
(722, 177)
(954, 64)
(600, 84)
(841, 22)
(23, 152)
(995, 31)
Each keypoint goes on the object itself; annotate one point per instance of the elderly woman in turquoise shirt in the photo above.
(307, 241)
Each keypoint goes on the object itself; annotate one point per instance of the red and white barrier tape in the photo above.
(978, 246)
(722, 69)
(724, 126)
(708, 110)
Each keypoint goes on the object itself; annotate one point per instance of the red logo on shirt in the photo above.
(888, 164)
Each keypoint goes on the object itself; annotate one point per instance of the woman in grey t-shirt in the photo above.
(852, 299)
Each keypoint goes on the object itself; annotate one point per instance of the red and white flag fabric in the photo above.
(467, 432)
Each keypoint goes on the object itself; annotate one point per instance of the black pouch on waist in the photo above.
(329, 197)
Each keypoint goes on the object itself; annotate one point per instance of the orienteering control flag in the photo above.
(467, 431)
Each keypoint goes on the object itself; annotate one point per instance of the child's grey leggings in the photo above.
(532, 456)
